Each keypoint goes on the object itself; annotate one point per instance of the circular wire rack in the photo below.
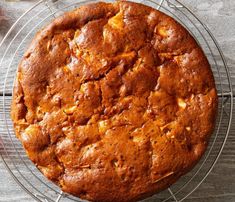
(15, 43)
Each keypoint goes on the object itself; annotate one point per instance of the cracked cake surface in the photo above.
(114, 101)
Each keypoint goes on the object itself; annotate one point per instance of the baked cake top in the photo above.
(114, 102)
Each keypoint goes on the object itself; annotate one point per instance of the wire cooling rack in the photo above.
(15, 43)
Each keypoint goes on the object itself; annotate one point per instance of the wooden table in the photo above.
(219, 15)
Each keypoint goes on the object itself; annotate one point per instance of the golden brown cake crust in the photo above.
(114, 102)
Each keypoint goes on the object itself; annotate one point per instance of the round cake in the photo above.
(114, 101)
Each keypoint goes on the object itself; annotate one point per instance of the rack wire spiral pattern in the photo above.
(15, 43)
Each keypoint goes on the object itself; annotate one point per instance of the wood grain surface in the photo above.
(219, 16)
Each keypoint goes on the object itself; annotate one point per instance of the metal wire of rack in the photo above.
(12, 48)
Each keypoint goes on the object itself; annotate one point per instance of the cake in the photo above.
(114, 101)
